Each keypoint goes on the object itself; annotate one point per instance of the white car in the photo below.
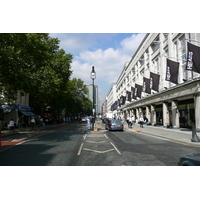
(83, 119)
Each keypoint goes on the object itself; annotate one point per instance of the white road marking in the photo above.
(20, 143)
(98, 151)
(96, 142)
(106, 136)
(85, 136)
(79, 152)
(115, 148)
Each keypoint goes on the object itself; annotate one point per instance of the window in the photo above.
(155, 44)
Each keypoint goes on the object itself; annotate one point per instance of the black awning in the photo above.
(27, 113)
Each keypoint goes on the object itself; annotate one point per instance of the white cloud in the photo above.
(129, 45)
(108, 63)
(75, 43)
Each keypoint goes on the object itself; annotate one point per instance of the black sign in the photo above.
(193, 58)
(172, 71)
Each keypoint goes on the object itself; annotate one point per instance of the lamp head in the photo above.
(93, 73)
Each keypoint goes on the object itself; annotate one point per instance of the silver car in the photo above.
(114, 125)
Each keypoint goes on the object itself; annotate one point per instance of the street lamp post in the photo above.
(93, 76)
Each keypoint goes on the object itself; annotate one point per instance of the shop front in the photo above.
(186, 113)
(24, 115)
(159, 115)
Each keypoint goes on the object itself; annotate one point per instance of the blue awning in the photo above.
(27, 113)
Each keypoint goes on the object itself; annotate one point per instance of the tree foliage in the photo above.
(77, 101)
(34, 64)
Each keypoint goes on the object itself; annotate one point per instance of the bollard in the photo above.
(95, 127)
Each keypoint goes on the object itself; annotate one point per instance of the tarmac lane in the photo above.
(74, 145)
(97, 149)
(19, 136)
(56, 146)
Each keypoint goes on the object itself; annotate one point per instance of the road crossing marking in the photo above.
(79, 152)
(96, 142)
(115, 148)
(106, 136)
(98, 151)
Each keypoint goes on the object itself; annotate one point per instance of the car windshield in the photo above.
(115, 122)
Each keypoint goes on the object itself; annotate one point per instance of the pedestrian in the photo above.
(41, 122)
(46, 121)
(130, 122)
(32, 122)
(12, 125)
(146, 120)
(141, 121)
(88, 123)
(133, 120)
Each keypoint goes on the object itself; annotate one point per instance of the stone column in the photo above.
(140, 112)
(148, 113)
(137, 113)
(127, 113)
(153, 115)
(197, 110)
(166, 121)
(175, 115)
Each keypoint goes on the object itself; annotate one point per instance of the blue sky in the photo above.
(107, 52)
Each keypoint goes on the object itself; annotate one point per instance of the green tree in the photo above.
(53, 81)
(34, 64)
(21, 56)
(77, 101)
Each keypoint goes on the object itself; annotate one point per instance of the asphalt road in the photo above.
(74, 146)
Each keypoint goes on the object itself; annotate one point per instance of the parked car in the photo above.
(116, 125)
(190, 160)
(83, 119)
(105, 120)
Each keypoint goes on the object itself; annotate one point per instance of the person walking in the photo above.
(141, 121)
(12, 125)
(127, 121)
(133, 120)
(88, 123)
(130, 122)
(32, 122)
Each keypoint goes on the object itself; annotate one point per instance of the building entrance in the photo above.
(186, 113)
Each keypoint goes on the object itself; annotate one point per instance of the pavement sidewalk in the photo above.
(22, 130)
(176, 135)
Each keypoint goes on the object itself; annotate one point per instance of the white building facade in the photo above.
(111, 98)
(172, 101)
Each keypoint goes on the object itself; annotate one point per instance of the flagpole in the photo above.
(174, 58)
(192, 40)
